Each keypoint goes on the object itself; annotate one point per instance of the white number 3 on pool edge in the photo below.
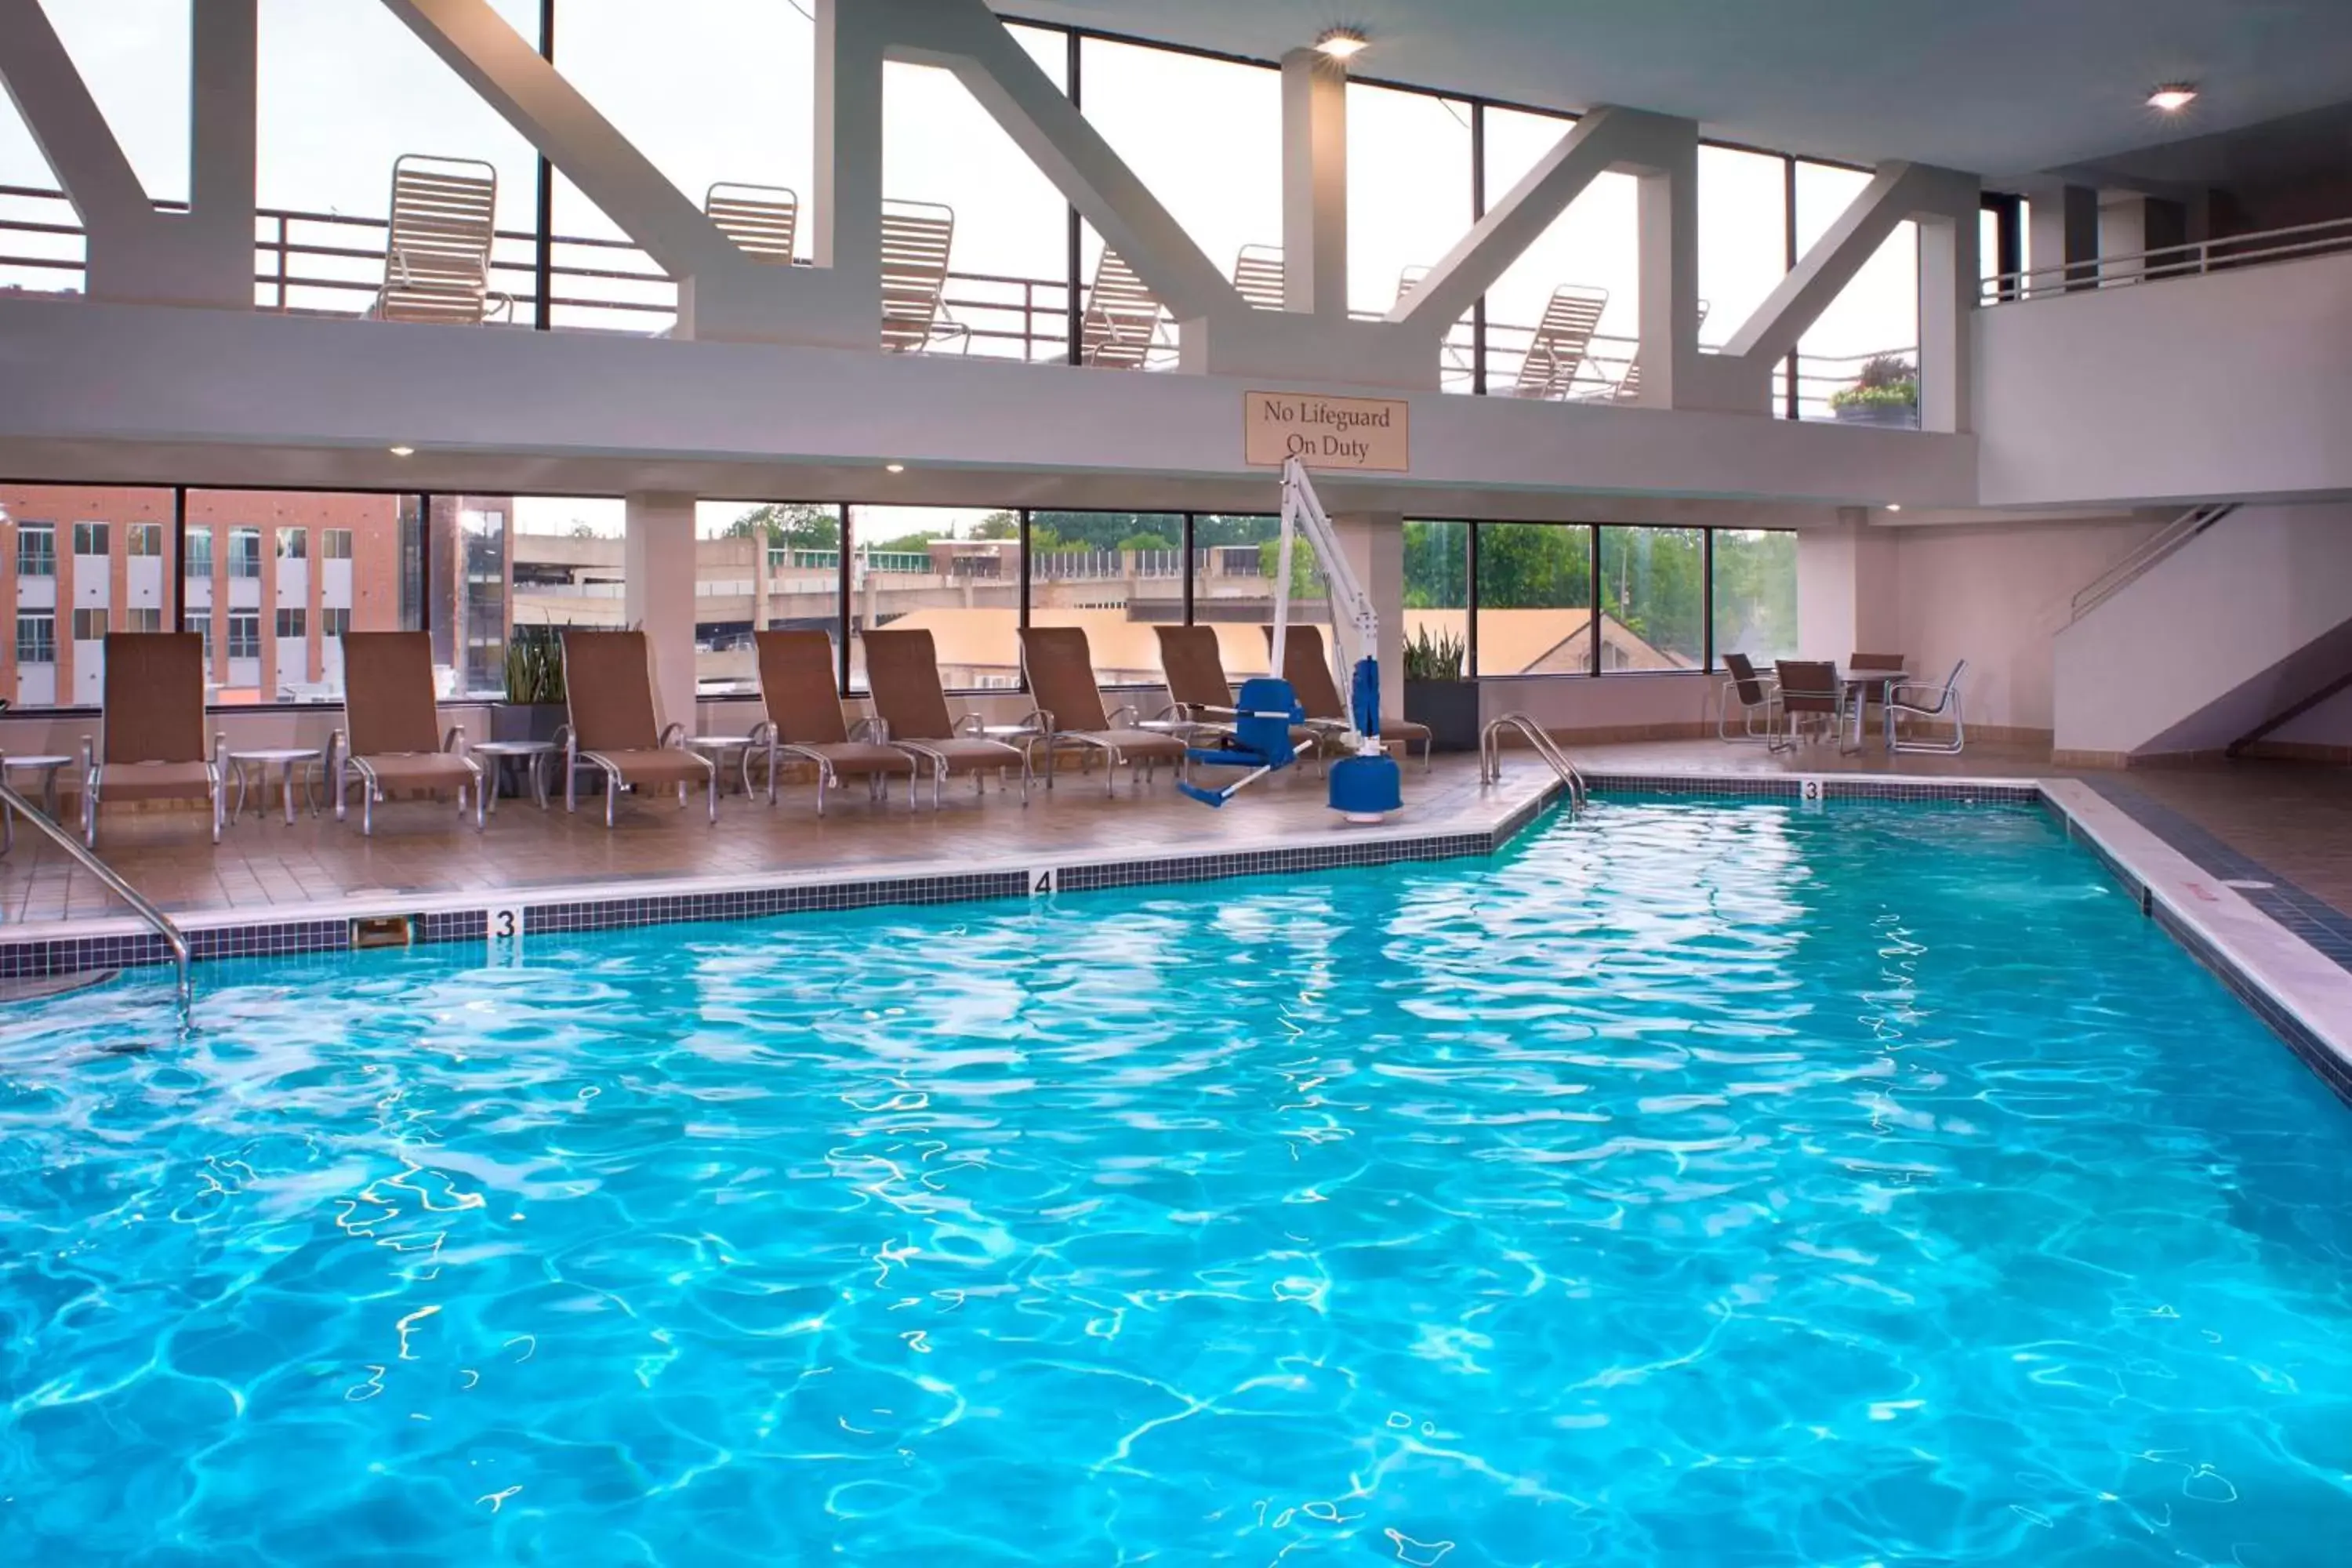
(504, 927)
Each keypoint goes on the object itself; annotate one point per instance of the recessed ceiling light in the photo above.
(1894, 506)
(894, 468)
(2172, 97)
(403, 451)
(1342, 43)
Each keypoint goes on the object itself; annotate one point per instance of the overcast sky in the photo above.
(719, 89)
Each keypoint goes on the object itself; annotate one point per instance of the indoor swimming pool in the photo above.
(1697, 1183)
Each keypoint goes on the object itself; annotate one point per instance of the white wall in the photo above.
(2329, 724)
(2236, 626)
(1665, 703)
(2231, 384)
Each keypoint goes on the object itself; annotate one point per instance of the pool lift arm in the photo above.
(1365, 785)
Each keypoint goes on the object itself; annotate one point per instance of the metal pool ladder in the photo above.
(1490, 755)
(81, 855)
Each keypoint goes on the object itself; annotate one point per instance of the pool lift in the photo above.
(1366, 785)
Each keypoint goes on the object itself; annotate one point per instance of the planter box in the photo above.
(1891, 416)
(526, 721)
(1450, 709)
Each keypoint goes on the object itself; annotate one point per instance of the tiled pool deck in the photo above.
(2219, 855)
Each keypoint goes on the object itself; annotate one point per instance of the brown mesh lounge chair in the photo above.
(902, 674)
(389, 737)
(1755, 694)
(1200, 698)
(1061, 671)
(150, 740)
(1308, 670)
(804, 721)
(608, 689)
(1807, 689)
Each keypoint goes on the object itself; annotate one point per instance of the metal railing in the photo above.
(17, 806)
(1490, 755)
(2150, 553)
(2188, 260)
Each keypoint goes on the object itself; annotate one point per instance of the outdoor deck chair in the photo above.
(1308, 670)
(1558, 350)
(1069, 714)
(759, 219)
(902, 677)
(803, 719)
(1756, 695)
(1200, 697)
(1257, 276)
(1917, 701)
(1628, 386)
(436, 251)
(390, 736)
(1864, 695)
(1456, 362)
(1806, 689)
(608, 693)
(151, 739)
(916, 239)
(1123, 324)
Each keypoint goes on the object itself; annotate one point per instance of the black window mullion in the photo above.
(1020, 666)
(1188, 588)
(1706, 598)
(177, 577)
(542, 265)
(1076, 346)
(1789, 263)
(845, 614)
(1477, 212)
(1470, 655)
(1593, 621)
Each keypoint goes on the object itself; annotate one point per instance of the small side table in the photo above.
(528, 752)
(716, 748)
(48, 768)
(285, 759)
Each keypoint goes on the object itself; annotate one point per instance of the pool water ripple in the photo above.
(1698, 1184)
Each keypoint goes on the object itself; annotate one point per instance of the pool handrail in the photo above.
(1490, 755)
(87, 859)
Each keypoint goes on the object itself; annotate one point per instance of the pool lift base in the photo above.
(1366, 787)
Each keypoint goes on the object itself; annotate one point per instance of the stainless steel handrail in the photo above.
(2144, 559)
(81, 855)
(1490, 755)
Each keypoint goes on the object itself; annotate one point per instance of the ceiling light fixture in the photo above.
(1342, 43)
(403, 451)
(1894, 506)
(2172, 97)
(894, 468)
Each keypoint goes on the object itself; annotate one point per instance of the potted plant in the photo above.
(1435, 693)
(1885, 393)
(534, 706)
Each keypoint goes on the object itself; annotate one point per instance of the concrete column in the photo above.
(1373, 542)
(1847, 599)
(760, 586)
(2065, 232)
(657, 594)
(1668, 221)
(2130, 225)
(1315, 183)
(1950, 286)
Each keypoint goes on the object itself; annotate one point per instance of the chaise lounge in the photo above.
(608, 688)
(902, 676)
(1070, 713)
(151, 739)
(388, 737)
(804, 721)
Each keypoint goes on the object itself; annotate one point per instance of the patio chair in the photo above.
(1200, 697)
(902, 677)
(1755, 694)
(1123, 322)
(1308, 670)
(608, 693)
(151, 739)
(803, 719)
(1912, 699)
(916, 239)
(1060, 669)
(1558, 350)
(760, 219)
(1864, 694)
(1628, 386)
(1805, 688)
(436, 251)
(390, 729)
(1257, 276)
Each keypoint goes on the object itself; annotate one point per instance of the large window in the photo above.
(1437, 590)
(1755, 594)
(955, 571)
(1563, 320)
(1115, 573)
(1654, 597)
(244, 553)
(36, 637)
(36, 549)
(75, 582)
(1535, 599)
(1858, 363)
(1409, 200)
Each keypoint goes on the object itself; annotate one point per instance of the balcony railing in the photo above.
(331, 264)
(2198, 257)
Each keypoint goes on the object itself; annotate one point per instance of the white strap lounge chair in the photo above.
(1558, 350)
(436, 255)
(760, 219)
(1123, 322)
(1257, 276)
(1628, 387)
(915, 238)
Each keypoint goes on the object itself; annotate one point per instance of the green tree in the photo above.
(1145, 541)
(1534, 566)
(1436, 565)
(998, 525)
(796, 526)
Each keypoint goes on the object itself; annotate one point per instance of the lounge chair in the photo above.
(916, 239)
(1807, 688)
(436, 252)
(796, 685)
(1123, 322)
(760, 219)
(1756, 698)
(1069, 714)
(1628, 385)
(1558, 350)
(151, 739)
(902, 677)
(608, 691)
(1258, 277)
(390, 728)
(1308, 670)
(1200, 697)
(1918, 701)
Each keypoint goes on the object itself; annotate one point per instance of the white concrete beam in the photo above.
(1315, 183)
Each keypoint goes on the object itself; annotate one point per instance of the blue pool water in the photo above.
(1697, 1184)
